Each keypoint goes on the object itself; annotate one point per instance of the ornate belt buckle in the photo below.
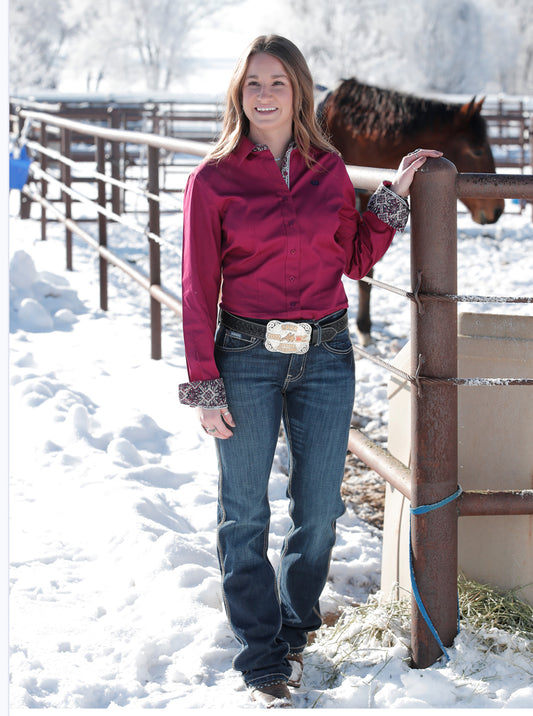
(287, 337)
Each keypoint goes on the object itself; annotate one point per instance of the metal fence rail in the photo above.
(433, 474)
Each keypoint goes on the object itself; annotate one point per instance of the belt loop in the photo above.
(319, 330)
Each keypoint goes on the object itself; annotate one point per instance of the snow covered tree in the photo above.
(36, 36)
(458, 46)
(139, 43)
(518, 78)
(339, 38)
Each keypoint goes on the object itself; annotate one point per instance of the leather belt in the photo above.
(321, 332)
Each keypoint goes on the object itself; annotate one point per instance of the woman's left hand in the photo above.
(408, 166)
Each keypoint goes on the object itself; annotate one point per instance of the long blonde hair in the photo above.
(306, 130)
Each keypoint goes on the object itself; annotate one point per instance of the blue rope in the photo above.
(421, 510)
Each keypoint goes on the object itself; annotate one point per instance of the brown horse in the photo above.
(375, 127)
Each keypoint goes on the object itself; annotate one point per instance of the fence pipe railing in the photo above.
(185, 146)
(381, 461)
(162, 295)
(504, 186)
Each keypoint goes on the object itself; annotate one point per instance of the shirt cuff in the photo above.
(203, 394)
(390, 207)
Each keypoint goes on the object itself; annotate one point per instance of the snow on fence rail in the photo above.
(434, 406)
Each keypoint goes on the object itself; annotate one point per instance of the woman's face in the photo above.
(267, 96)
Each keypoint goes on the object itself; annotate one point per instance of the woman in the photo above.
(270, 221)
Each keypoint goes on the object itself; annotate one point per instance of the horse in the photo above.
(376, 127)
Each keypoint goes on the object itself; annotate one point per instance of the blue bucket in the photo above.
(18, 169)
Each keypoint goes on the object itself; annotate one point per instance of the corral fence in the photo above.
(431, 481)
(190, 118)
(509, 123)
(510, 129)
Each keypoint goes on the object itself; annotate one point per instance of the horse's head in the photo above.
(469, 149)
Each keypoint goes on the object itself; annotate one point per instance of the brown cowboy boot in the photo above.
(272, 695)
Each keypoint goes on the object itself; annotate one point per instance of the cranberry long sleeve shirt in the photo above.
(274, 248)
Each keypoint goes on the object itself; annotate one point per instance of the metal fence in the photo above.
(432, 478)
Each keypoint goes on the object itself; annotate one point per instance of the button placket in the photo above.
(292, 254)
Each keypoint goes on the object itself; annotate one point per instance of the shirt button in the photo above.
(293, 251)
(291, 278)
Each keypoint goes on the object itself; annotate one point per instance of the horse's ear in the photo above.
(469, 109)
(479, 105)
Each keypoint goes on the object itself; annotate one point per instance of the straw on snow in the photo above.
(379, 630)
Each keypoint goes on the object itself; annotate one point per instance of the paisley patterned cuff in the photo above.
(203, 394)
(389, 207)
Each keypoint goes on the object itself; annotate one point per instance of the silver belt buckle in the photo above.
(287, 337)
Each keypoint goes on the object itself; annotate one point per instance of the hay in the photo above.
(364, 633)
(482, 606)
(380, 629)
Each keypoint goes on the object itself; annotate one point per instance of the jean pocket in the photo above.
(341, 344)
(232, 341)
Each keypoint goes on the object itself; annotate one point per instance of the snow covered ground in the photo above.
(115, 596)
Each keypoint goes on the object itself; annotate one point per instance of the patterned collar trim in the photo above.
(262, 147)
(285, 164)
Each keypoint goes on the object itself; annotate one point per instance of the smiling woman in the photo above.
(270, 227)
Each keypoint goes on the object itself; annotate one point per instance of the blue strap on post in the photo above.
(421, 510)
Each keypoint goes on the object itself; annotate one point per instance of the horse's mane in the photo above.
(373, 110)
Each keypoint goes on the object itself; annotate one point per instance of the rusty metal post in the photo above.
(155, 257)
(67, 199)
(44, 183)
(116, 194)
(531, 154)
(434, 407)
(102, 220)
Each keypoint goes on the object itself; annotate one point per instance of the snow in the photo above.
(115, 594)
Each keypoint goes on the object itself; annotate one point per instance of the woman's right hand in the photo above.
(216, 422)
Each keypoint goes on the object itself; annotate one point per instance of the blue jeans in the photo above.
(313, 395)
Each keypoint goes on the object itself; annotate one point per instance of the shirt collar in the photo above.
(245, 147)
